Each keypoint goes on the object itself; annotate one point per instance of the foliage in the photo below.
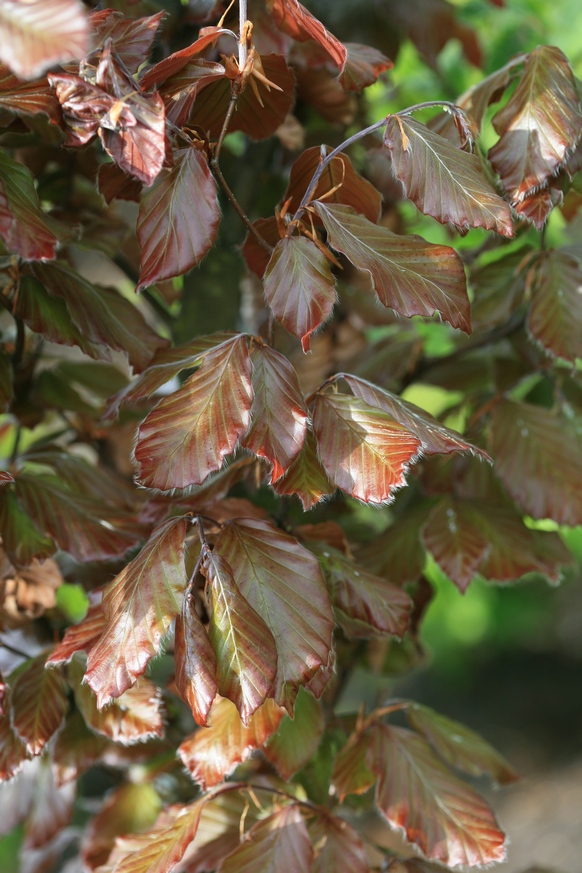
(234, 584)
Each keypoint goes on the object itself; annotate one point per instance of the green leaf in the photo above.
(277, 844)
(351, 772)
(305, 477)
(21, 539)
(38, 703)
(25, 229)
(296, 740)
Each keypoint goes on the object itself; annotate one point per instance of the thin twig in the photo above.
(237, 207)
(225, 124)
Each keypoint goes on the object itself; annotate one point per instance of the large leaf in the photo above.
(539, 123)
(136, 716)
(409, 275)
(282, 581)
(443, 817)
(140, 604)
(444, 181)
(277, 844)
(294, 19)
(305, 477)
(195, 662)
(538, 459)
(338, 848)
(213, 752)
(455, 538)
(38, 702)
(25, 229)
(296, 739)
(39, 33)
(555, 317)
(363, 450)
(246, 653)
(178, 219)
(299, 286)
(208, 415)
(278, 413)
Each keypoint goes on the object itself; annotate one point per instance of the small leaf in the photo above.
(132, 38)
(79, 637)
(444, 181)
(296, 739)
(294, 19)
(278, 844)
(362, 67)
(195, 663)
(76, 749)
(555, 316)
(136, 716)
(25, 229)
(351, 772)
(299, 287)
(305, 477)
(21, 539)
(178, 219)
(212, 753)
(409, 275)
(338, 848)
(455, 538)
(363, 450)
(38, 702)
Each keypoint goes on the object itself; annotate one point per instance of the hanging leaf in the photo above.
(282, 581)
(136, 716)
(38, 703)
(279, 844)
(180, 91)
(132, 38)
(338, 848)
(27, 98)
(24, 227)
(278, 413)
(294, 19)
(178, 219)
(140, 604)
(79, 637)
(454, 536)
(499, 288)
(444, 181)
(443, 817)
(208, 414)
(305, 477)
(76, 749)
(195, 663)
(555, 316)
(13, 752)
(175, 63)
(299, 287)
(21, 539)
(409, 275)
(296, 739)
(363, 450)
(362, 67)
(351, 772)
(212, 753)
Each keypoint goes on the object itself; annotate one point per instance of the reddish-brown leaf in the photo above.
(178, 219)
(174, 63)
(212, 753)
(351, 771)
(180, 91)
(282, 581)
(113, 184)
(79, 637)
(76, 749)
(456, 540)
(28, 98)
(305, 477)
(363, 450)
(13, 752)
(409, 275)
(277, 844)
(140, 604)
(21, 539)
(25, 229)
(299, 287)
(253, 252)
(278, 413)
(39, 33)
(132, 38)
(443, 817)
(195, 663)
(338, 848)
(188, 434)
(539, 123)
(136, 716)
(555, 317)
(295, 20)
(219, 831)
(362, 66)
(297, 738)
(444, 181)
(38, 703)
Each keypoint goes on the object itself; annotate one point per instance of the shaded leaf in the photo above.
(397, 554)
(455, 538)
(195, 663)
(113, 184)
(555, 316)
(51, 807)
(13, 752)
(363, 450)
(338, 848)
(219, 831)
(208, 414)
(476, 99)
(174, 63)
(132, 38)
(21, 539)
(212, 753)
(28, 98)
(136, 716)
(498, 290)
(305, 477)
(294, 19)
(296, 739)
(76, 749)
(444, 181)
(257, 257)
(178, 219)
(181, 90)
(409, 275)
(351, 771)
(362, 66)
(279, 844)
(282, 581)
(25, 229)
(38, 703)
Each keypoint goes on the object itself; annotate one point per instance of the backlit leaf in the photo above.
(132, 38)
(278, 413)
(212, 753)
(25, 229)
(409, 275)
(455, 538)
(195, 663)
(38, 702)
(443, 817)
(276, 844)
(140, 604)
(362, 66)
(363, 450)
(444, 181)
(555, 316)
(219, 831)
(76, 749)
(208, 415)
(136, 716)
(178, 219)
(294, 19)
(27, 98)
(13, 752)
(305, 477)
(351, 772)
(296, 739)
(79, 637)
(299, 287)
(282, 581)
(338, 848)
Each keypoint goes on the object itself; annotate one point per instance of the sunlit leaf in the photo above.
(297, 738)
(282, 581)
(444, 181)
(76, 749)
(195, 663)
(38, 702)
(299, 286)
(305, 477)
(25, 229)
(409, 275)
(338, 848)
(178, 219)
(27, 98)
(351, 772)
(278, 844)
(79, 637)
(294, 19)
(13, 752)
(132, 38)
(140, 604)
(362, 66)
(555, 316)
(136, 716)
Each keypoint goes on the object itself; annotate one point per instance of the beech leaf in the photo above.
(305, 477)
(136, 716)
(38, 703)
(132, 38)
(296, 739)
(454, 536)
(442, 180)
(79, 637)
(351, 771)
(555, 316)
(338, 848)
(76, 749)
(21, 539)
(195, 663)
(294, 19)
(178, 219)
(13, 751)
(409, 275)
(27, 98)
(362, 66)
(277, 844)
(25, 229)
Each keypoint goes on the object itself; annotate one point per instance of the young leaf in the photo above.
(13, 752)
(555, 316)
(398, 554)
(299, 287)
(455, 537)
(79, 637)
(208, 415)
(363, 450)
(443, 817)
(195, 663)
(282, 581)
(362, 67)
(351, 772)
(38, 703)
(277, 844)
(27, 98)
(181, 90)
(245, 650)
(175, 63)
(140, 604)
(21, 539)
(212, 753)
(305, 477)
(444, 181)
(136, 716)
(178, 219)
(296, 739)
(76, 749)
(278, 413)
(294, 19)
(24, 227)
(338, 848)
(132, 38)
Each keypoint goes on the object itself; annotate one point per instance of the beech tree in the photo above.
(197, 456)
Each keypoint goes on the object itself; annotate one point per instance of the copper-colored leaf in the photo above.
(456, 540)
(140, 604)
(178, 219)
(277, 844)
(398, 554)
(539, 123)
(38, 702)
(297, 738)
(27, 98)
(555, 317)
(79, 637)
(278, 413)
(21, 539)
(294, 19)
(76, 749)
(299, 287)
(132, 38)
(351, 771)
(538, 459)
(255, 255)
(219, 831)
(207, 416)
(25, 229)
(444, 181)
(136, 716)
(443, 817)
(195, 663)
(174, 63)
(282, 581)
(181, 90)
(13, 752)
(212, 753)
(409, 275)
(305, 477)
(362, 66)
(39, 33)
(363, 450)
(338, 848)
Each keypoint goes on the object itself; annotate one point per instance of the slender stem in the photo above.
(225, 125)
(16, 445)
(237, 207)
(242, 42)
(19, 345)
(201, 534)
(432, 104)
